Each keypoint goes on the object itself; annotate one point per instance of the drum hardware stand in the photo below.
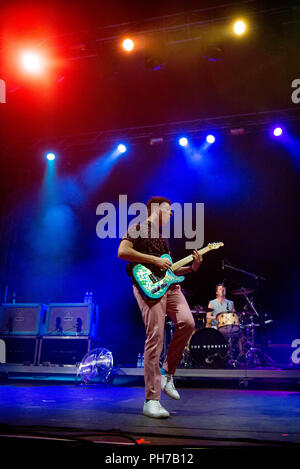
(231, 361)
(251, 357)
(254, 356)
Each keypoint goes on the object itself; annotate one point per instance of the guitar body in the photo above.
(152, 286)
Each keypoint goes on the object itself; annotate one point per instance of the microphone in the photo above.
(223, 261)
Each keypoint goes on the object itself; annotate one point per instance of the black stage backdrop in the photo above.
(248, 184)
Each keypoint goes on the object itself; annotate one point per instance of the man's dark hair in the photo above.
(156, 200)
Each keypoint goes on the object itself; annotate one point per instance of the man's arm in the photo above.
(209, 316)
(128, 253)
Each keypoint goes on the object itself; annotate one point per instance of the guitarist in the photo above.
(147, 249)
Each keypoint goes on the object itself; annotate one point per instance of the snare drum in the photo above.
(228, 323)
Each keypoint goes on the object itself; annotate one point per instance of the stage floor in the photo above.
(202, 415)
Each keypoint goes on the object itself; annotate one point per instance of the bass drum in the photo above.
(208, 348)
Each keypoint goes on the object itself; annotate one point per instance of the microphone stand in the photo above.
(250, 274)
(257, 277)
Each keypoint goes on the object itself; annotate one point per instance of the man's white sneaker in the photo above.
(167, 385)
(154, 409)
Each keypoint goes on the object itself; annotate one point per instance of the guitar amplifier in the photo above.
(71, 319)
(21, 318)
(64, 350)
(20, 350)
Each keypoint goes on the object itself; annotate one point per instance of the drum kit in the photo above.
(230, 345)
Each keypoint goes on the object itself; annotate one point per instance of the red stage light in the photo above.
(32, 62)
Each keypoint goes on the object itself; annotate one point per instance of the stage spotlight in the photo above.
(122, 148)
(128, 44)
(277, 131)
(183, 141)
(239, 27)
(50, 156)
(210, 138)
(32, 62)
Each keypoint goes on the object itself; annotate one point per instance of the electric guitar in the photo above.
(154, 286)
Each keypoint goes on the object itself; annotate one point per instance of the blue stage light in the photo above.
(210, 138)
(50, 156)
(277, 131)
(183, 141)
(122, 148)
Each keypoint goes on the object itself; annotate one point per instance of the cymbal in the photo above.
(243, 291)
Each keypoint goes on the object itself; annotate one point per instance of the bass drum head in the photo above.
(208, 348)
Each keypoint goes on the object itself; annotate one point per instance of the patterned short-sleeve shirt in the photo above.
(146, 238)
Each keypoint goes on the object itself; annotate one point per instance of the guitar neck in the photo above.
(188, 259)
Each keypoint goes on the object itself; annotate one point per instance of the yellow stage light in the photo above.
(128, 44)
(239, 27)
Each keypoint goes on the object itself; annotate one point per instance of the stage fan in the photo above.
(96, 366)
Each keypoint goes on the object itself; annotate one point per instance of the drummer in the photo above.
(218, 305)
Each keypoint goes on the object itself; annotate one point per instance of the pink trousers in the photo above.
(174, 304)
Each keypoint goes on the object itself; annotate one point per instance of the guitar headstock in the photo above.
(215, 245)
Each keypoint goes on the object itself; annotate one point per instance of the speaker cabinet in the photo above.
(71, 319)
(21, 318)
(64, 350)
(21, 350)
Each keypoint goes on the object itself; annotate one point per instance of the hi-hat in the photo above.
(243, 291)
